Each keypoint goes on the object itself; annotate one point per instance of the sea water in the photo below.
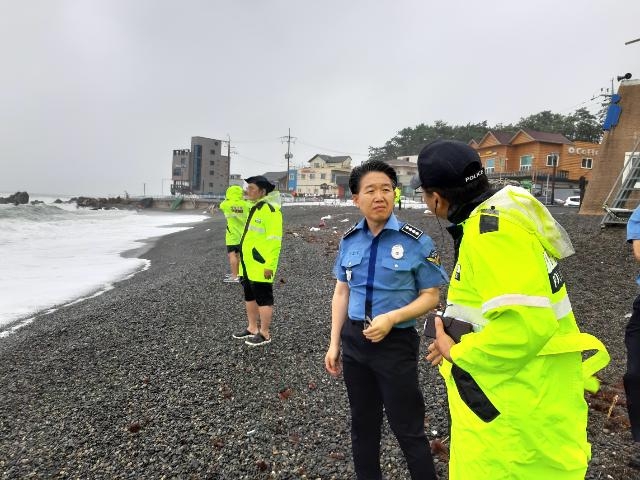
(55, 254)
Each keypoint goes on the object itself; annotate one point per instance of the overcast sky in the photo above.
(95, 94)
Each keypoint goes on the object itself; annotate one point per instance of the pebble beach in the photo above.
(145, 381)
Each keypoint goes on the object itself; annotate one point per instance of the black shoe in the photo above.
(244, 334)
(257, 339)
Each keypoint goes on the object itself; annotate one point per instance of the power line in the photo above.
(253, 159)
(333, 151)
(257, 141)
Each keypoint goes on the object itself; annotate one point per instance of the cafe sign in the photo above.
(583, 151)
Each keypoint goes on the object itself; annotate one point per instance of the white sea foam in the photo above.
(57, 254)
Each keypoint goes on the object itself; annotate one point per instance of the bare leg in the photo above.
(266, 314)
(253, 315)
(233, 264)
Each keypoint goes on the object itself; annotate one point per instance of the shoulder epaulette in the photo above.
(413, 232)
(350, 231)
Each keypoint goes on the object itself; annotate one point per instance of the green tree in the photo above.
(586, 126)
(580, 125)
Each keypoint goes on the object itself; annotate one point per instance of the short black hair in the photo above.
(371, 166)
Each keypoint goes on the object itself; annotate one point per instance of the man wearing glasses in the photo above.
(388, 273)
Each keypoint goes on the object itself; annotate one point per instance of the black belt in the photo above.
(357, 323)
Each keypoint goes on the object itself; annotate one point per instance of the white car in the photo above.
(572, 201)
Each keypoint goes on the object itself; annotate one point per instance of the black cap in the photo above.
(446, 164)
(262, 182)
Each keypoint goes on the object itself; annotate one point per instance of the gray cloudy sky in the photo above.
(94, 94)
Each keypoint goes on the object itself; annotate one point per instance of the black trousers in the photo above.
(385, 374)
(632, 375)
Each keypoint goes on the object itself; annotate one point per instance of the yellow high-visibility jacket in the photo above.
(262, 239)
(235, 210)
(516, 385)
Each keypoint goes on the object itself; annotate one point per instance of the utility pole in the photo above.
(288, 155)
(229, 152)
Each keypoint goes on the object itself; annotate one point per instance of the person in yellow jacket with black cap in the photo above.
(259, 253)
(516, 383)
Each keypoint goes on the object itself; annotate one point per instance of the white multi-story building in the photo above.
(319, 178)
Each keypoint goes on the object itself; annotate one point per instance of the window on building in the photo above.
(552, 160)
(316, 165)
(490, 165)
(526, 162)
(210, 184)
(303, 176)
(587, 163)
(177, 172)
(312, 176)
(322, 176)
(292, 176)
(213, 152)
(210, 172)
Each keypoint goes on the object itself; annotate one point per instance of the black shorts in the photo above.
(260, 292)
(233, 248)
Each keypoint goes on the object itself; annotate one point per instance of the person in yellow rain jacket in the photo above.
(259, 253)
(398, 197)
(235, 210)
(516, 383)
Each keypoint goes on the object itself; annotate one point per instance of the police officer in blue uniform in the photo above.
(388, 274)
(632, 342)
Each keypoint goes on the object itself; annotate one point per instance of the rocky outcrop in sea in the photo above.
(18, 198)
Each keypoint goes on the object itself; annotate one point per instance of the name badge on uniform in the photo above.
(348, 275)
(397, 252)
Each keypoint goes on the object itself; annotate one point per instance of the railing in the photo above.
(535, 174)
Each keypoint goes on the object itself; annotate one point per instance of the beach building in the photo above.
(236, 179)
(536, 156)
(279, 179)
(406, 168)
(203, 169)
(319, 178)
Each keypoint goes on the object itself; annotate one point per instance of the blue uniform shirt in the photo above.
(386, 272)
(633, 230)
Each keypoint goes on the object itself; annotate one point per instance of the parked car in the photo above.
(572, 201)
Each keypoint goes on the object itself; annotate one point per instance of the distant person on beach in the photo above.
(632, 342)
(516, 383)
(388, 274)
(235, 210)
(259, 253)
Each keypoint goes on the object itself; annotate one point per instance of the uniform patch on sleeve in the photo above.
(413, 232)
(350, 231)
(434, 257)
(488, 223)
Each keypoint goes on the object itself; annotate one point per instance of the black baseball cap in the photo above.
(446, 164)
(262, 182)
